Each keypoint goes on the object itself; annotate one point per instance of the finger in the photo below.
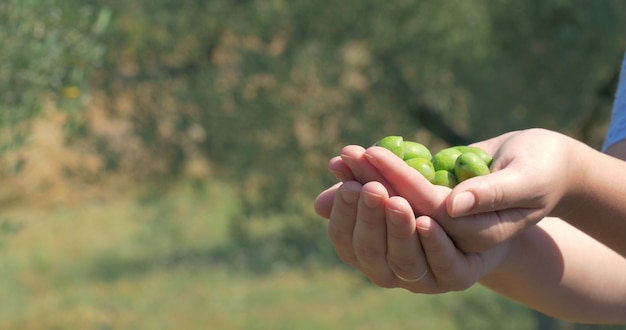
(451, 269)
(499, 190)
(491, 228)
(340, 170)
(404, 251)
(361, 169)
(370, 234)
(324, 201)
(342, 221)
(352, 156)
(424, 197)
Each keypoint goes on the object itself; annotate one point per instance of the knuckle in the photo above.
(498, 196)
(339, 236)
(449, 278)
(465, 245)
(396, 234)
(367, 253)
(444, 270)
(402, 267)
(370, 223)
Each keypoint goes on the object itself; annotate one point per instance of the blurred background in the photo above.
(159, 159)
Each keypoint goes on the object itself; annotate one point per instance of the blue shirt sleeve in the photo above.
(617, 127)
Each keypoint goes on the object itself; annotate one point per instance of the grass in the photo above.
(112, 264)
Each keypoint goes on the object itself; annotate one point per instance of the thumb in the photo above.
(493, 192)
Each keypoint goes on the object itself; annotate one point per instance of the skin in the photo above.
(380, 236)
(553, 267)
(487, 210)
(561, 271)
(577, 183)
(474, 234)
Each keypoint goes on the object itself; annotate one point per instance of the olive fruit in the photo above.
(445, 159)
(424, 166)
(469, 165)
(392, 143)
(480, 152)
(445, 168)
(415, 150)
(444, 178)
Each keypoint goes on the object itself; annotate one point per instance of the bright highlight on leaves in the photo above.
(447, 167)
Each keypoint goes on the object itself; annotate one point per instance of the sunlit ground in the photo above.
(116, 263)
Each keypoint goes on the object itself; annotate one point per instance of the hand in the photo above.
(532, 174)
(531, 171)
(380, 236)
(380, 165)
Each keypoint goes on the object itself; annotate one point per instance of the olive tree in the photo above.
(49, 48)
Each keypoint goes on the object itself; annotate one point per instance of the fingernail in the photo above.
(462, 203)
(349, 196)
(347, 158)
(423, 226)
(371, 200)
(339, 175)
(371, 159)
(424, 232)
(395, 216)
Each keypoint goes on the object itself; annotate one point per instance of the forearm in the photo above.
(560, 271)
(597, 204)
(601, 211)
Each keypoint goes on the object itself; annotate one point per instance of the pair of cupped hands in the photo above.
(389, 222)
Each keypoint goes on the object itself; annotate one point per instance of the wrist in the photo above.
(504, 258)
(518, 259)
(574, 188)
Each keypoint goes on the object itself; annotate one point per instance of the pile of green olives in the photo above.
(448, 167)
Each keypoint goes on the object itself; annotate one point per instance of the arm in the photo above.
(552, 267)
(599, 206)
(560, 271)
(553, 175)
(577, 278)
(536, 173)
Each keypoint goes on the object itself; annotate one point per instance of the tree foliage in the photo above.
(267, 91)
(264, 92)
(49, 48)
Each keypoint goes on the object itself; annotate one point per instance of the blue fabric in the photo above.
(617, 127)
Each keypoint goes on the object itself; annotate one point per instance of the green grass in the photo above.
(142, 261)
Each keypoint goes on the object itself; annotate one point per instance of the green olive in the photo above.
(469, 165)
(486, 157)
(445, 178)
(424, 166)
(447, 167)
(415, 150)
(446, 159)
(392, 143)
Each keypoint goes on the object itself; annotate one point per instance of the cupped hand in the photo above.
(530, 175)
(532, 172)
(379, 235)
(377, 164)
